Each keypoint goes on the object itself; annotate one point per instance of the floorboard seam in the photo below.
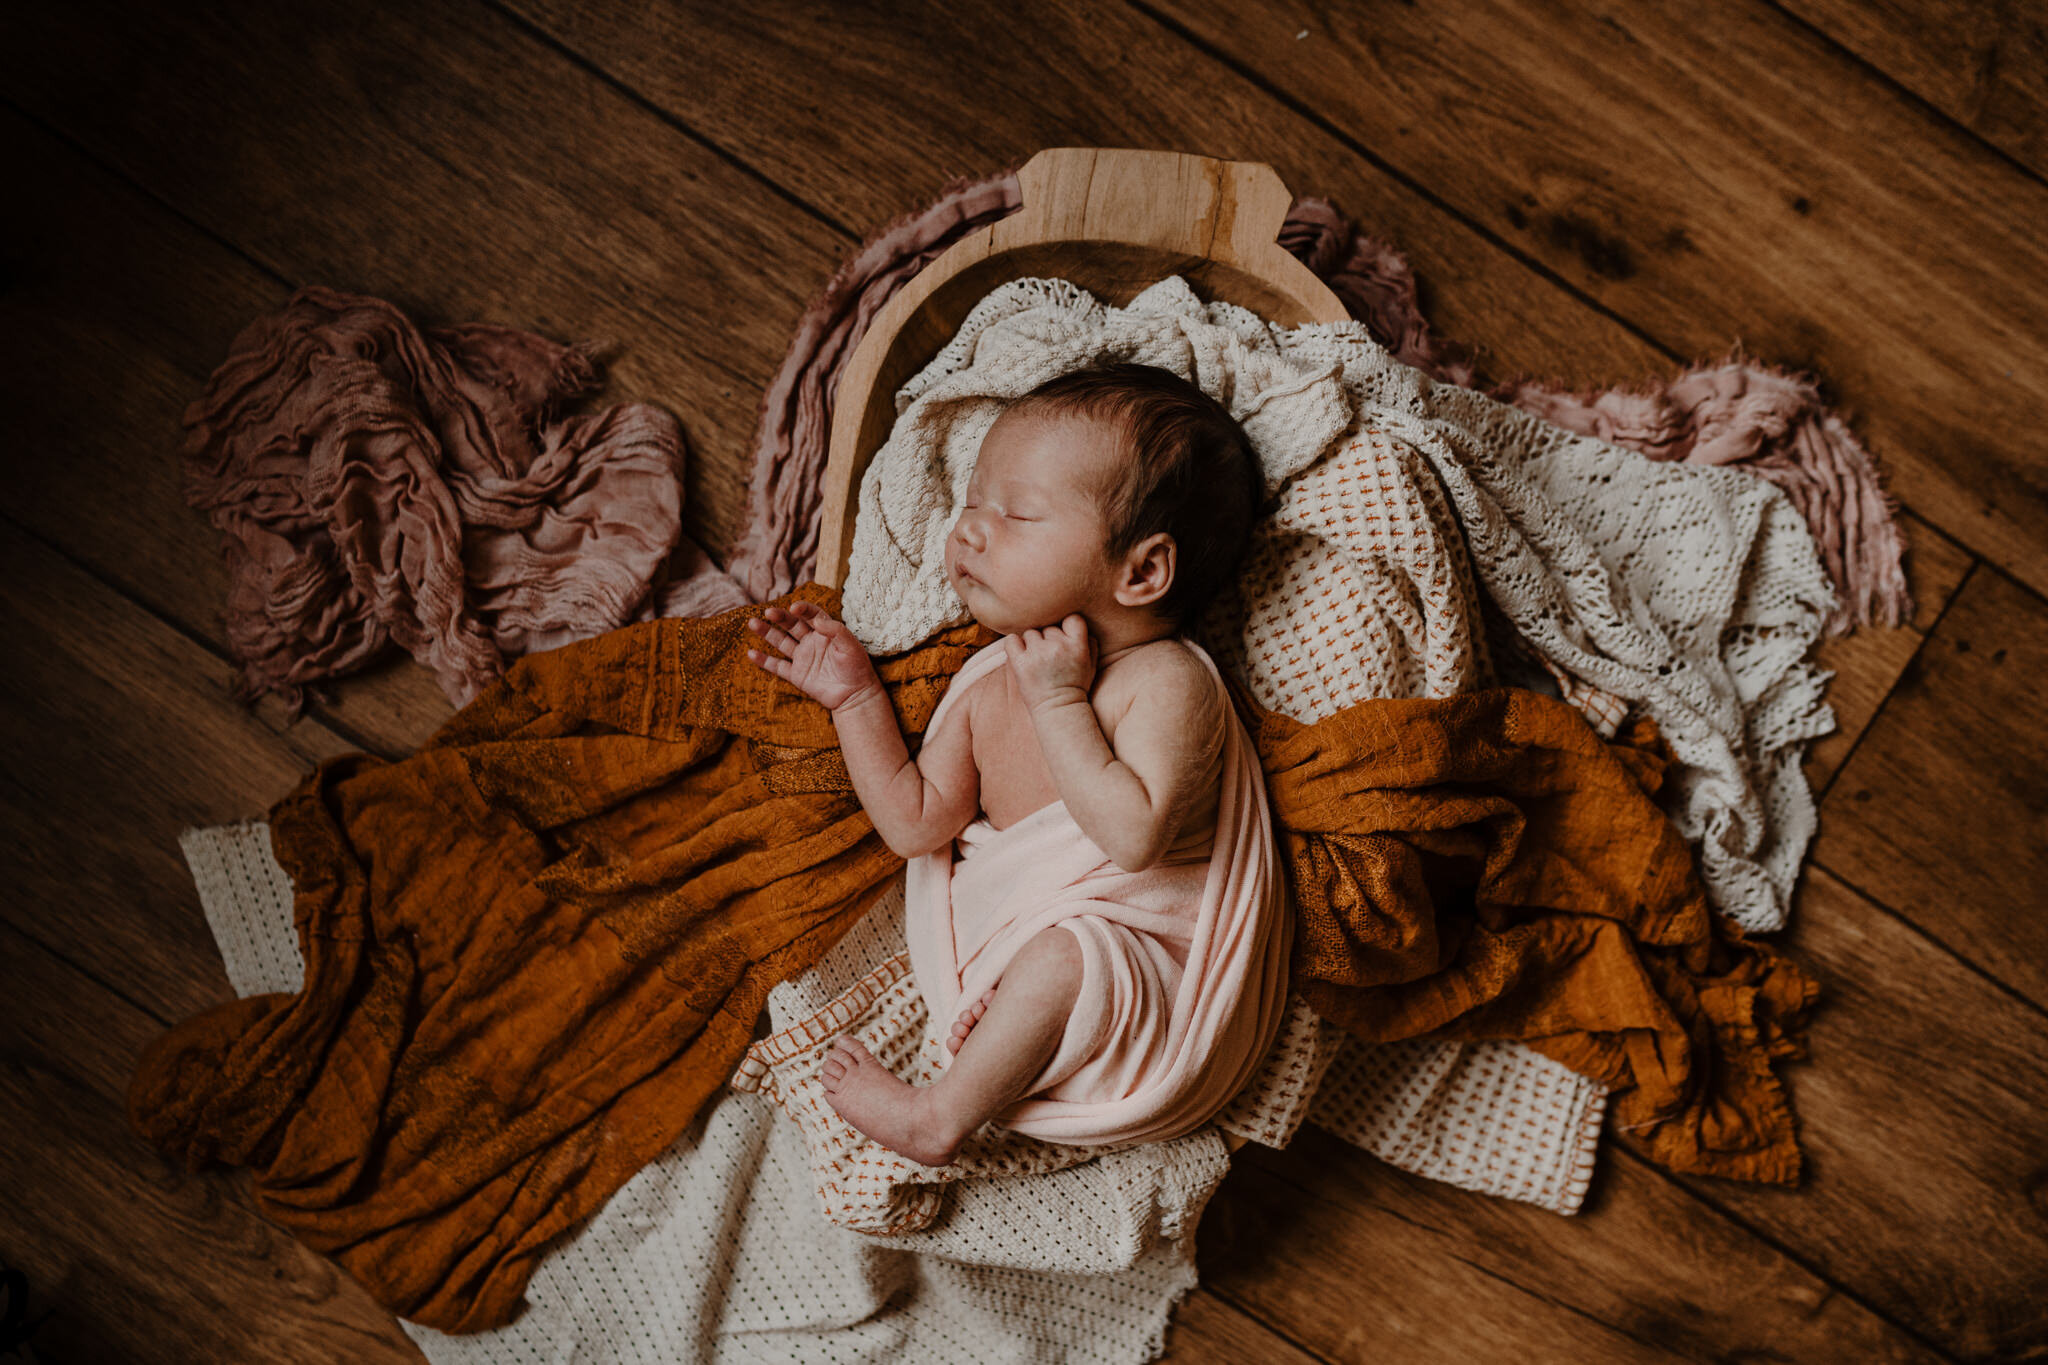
(1909, 94)
(1820, 797)
(1232, 1301)
(107, 168)
(1962, 960)
(340, 729)
(1351, 144)
(1685, 1183)
(660, 112)
(1556, 1302)
(88, 973)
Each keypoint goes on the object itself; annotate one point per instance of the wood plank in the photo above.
(445, 159)
(119, 732)
(1362, 1261)
(1867, 663)
(135, 1258)
(1709, 181)
(1923, 1112)
(1207, 1329)
(130, 308)
(1985, 66)
(1939, 814)
(868, 110)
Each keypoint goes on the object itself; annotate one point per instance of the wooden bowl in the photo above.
(1112, 220)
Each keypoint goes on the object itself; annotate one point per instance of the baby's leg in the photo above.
(1016, 1037)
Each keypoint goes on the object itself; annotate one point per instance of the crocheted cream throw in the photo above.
(1361, 585)
(1693, 593)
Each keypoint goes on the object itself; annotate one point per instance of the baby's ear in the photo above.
(1148, 570)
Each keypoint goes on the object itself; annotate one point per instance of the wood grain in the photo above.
(1867, 663)
(1365, 1262)
(119, 732)
(1206, 1328)
(135, 1259)
(816, 97)
(1715, 181)
(1983, 65)
(1597, 191)
(1923, 1111)
(131, 308)
(441, 158)
(1942, 813)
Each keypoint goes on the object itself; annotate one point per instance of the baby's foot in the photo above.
(893, 1112)
(969, 1017)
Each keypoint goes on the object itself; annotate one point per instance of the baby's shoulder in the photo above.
(1168, 674)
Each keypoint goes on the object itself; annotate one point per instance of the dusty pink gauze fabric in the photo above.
(377, 483)
(1183, 978)
(1731, 411)
(381, 483)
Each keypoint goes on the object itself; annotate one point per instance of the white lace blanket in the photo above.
(1686, 591)
(1693, 593)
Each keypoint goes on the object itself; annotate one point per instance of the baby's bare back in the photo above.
(1017, 782)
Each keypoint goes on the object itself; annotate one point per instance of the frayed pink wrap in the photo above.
(1184, 964)
(376, 483)
(1731, 412)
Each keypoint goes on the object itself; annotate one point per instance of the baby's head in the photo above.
(1118, 490)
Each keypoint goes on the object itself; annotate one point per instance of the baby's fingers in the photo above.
(817, 618)
(773, 634)
(778, 666)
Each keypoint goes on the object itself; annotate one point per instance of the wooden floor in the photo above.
(1591, 191)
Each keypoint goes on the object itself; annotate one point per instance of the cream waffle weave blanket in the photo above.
(717, 1251)
(1693, 593)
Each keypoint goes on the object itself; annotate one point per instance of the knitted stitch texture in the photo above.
(1693, 593)
(715, 1251)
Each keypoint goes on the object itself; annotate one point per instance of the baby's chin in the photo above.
(986, 613)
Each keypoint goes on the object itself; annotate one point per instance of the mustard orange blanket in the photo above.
(536, 947)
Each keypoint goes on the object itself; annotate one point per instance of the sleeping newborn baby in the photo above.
(1092, 878)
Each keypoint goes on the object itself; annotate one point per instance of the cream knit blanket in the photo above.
(1689, 592)
(1694, 593)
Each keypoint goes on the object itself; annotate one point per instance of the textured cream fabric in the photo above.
(1686, 592)
(1693, 593)
(1409, 513)
(717, 1252)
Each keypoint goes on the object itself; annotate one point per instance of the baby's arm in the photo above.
(1131, 799)
(919, 804)
(915, 806)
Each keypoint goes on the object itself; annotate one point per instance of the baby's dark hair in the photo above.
(1188, 470)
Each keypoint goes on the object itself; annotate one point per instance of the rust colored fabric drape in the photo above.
(536, 948)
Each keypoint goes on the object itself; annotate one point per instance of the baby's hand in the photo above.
(1053, 662)
(820, 656)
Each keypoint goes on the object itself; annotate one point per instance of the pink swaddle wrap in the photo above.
(1184, 964)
